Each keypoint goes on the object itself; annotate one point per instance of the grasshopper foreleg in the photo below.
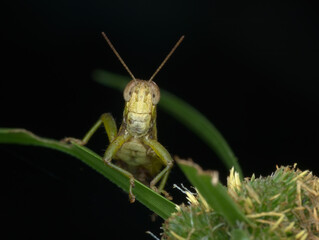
(110, 127)
(107, 158)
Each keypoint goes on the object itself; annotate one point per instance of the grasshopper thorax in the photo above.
(141, 98)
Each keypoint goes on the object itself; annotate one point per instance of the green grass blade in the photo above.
(215, 194)
(155, 202)
(185, 113)
(238, 234)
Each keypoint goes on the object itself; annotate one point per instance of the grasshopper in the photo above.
(134, 146)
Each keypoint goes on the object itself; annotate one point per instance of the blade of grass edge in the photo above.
(155, 202)
(185, 113)
(215, 194)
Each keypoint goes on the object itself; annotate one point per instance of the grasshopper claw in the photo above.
(73, 140)
(107, 161)
(132, 185)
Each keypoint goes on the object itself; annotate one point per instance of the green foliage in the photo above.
(155, 202)
(214, 193)
(196, 223)
(175, 106)
(281, 206)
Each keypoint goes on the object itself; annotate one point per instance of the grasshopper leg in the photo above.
(166, 159)
(115, 143)
(110, 153)
(127, 174)
(110, 127)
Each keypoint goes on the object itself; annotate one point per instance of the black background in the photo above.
(251, 67)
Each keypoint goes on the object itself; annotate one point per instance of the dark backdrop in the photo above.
(251, 67)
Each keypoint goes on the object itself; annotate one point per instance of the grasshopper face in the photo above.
(140, 109)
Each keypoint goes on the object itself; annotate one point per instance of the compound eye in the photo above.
(156, 95)
(128, 90)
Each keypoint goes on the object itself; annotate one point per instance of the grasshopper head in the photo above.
(141, 92)
(141, 98)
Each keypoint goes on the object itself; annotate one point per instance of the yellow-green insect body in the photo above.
(139, 121)
(134, 146)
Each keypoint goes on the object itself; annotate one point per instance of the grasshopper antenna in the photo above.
(167, 57)
(118, 55)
